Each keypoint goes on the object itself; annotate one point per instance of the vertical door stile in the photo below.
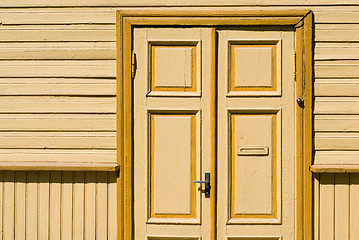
(213, 137)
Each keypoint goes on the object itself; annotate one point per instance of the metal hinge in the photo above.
(133, 65)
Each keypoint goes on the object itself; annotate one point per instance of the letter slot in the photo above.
(253, 151)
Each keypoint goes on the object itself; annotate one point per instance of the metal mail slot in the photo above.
(253, 151)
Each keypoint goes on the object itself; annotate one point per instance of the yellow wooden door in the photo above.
(177, 98)
(172, 129)
(256, 134)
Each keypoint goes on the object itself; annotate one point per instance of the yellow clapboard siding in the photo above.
(58, 33)
(57, 3)
(336, 141)
(336, 35)
(57, 122)
(336, 87)
(336, 123)
(337, 69)
(57, 105)
(67, 140)
(58, 50)
(58, 16)
(336, 157)
(98, 15)
(337, 15)
(58, 156)
(45, 199)
(336, 51)
(58, 86)
(59, 68)
(336, 105)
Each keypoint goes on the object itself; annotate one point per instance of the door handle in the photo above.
(207, 184)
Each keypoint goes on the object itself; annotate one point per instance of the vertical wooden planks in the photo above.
(354, 206)
(101, 205)
(66, 205)
(78, 205)
(326, 218)
(341, 201)
(9, 207)
(90, 206)
(316, 205)
(55, 205)
(112, 206)
(58, 205)
(44, 204)
(31, 206)
(20, 205)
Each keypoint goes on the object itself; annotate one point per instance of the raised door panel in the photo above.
(254, 160)
(174, 162)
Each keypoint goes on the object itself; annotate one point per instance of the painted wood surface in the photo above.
(335, 206)
(58, 205)
(57, 98)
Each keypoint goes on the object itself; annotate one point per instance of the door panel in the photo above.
(171, 132)
(256, 163)
(253, 166)
(173, 166)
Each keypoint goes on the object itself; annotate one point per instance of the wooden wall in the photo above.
(57, 103)
(57, 205)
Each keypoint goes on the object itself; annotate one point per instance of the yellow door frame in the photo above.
(302, 23)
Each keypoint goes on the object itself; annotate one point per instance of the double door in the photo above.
(217, 106)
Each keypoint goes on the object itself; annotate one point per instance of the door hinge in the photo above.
(133, 65)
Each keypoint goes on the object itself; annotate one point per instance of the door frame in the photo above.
(302, 23)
